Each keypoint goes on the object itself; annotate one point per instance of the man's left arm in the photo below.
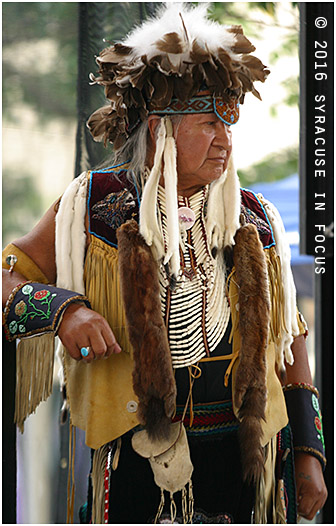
(311, 489)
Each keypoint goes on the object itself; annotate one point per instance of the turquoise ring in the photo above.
(85, 351)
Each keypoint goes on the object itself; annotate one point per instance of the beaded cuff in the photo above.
(305, 419)
(35, 308)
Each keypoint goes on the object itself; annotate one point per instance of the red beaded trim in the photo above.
(107, 487)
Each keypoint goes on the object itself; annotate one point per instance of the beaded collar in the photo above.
(197, 312)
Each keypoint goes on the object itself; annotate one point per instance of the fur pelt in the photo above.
(153, 378)
(254, 310)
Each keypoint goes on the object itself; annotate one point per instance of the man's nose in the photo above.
(223, 136)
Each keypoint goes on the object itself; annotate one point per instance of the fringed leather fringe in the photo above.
(103, 288)
(260, 511)
(291, 328)
(277, 318)
(71, 475)
(266, 509)
(187, 499)
(34, 375)
(160, 508)
(98, 487)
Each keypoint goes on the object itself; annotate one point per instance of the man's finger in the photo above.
(87, 353)
(112, 345)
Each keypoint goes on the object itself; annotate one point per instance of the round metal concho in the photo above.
(132, 406)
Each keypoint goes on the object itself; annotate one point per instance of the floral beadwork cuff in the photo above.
(34, 308)
(305, 418)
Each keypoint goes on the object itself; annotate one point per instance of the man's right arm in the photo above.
(80, 326)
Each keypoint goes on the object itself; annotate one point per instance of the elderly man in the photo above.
(182, 281)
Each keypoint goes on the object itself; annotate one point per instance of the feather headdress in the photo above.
(170, 57)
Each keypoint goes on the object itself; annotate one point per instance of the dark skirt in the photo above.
(220, 495)
(218, 487)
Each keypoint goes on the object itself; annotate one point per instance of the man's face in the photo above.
(204, 146)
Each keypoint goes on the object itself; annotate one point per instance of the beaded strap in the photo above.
(302, 400)
(35, 308)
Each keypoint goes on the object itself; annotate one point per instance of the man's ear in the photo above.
(153, 122)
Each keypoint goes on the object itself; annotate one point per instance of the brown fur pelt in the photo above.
(153, 377)
(254, 312)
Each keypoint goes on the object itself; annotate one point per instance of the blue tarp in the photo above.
(284, 194)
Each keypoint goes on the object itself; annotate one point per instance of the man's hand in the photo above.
(83, 327)
(311, 489)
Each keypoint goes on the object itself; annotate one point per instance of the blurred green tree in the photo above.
(48, 85)
(39, 58)
(21, 205)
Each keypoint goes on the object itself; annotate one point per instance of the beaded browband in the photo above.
(228, 112)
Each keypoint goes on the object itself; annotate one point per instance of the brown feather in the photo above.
(256, 68)
(121, 49)
(160, 85)
(183, 87)
(198, 54)
(237, 29)
(163, 63)
(242, 44)
(170, 43)
(211, 75)
(114, 54)
(139, 76)
(225, 58)
(97, 123)
(245, 80)
(256, 93)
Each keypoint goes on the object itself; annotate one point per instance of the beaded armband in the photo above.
(305, 418)
(34, 308)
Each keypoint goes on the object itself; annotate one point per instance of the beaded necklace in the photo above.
(197, 312)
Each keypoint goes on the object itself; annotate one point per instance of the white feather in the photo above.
(170, 176)
(168, 19)
(149, 226)
(215, 220)
(231, 203)
(222, 219)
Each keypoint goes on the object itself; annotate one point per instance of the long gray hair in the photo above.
(135, 150)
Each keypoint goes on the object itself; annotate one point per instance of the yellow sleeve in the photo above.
(24, 265)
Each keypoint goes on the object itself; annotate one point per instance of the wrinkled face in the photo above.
(204, 146)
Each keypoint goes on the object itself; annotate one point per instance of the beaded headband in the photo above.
(228, 112)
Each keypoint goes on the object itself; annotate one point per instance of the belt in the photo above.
(212, 419)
